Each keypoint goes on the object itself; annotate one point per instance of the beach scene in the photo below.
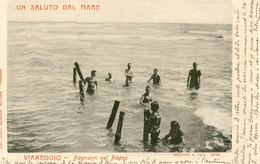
(44, 111)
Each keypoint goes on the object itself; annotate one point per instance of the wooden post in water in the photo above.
(78, 70)
(113, 114)
(74, 76)
(119, 127)
(146, 125)
(81, 91)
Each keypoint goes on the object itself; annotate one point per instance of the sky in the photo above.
(143, 11)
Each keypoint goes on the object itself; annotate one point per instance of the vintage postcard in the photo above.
(129, 82)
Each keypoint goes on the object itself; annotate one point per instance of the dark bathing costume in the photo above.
(156, 79)
(176, 136)
(194, 78)
(155, 122)
(91, 85)
(146, 98)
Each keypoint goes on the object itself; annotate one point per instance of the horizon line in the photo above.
(80, 22)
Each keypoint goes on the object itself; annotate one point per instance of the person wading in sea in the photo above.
(129, 74)
(110, 77)
(193, 81)
(92, 82)
(146, 98)
(152, 122)
(156, 78)
(155, 122)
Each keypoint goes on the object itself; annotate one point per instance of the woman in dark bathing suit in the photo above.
(146, 97)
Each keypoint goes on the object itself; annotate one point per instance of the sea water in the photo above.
(44, 109)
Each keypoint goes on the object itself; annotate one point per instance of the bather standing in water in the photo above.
(129, 74)
(156, 78)
(92, 82)
(155, 122)
(146, 97)
(193, 81)
(152, 122)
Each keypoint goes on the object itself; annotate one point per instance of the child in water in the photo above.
(152, 122)
(155, 122)
(156, 78)
(176, 135)
(146, 97)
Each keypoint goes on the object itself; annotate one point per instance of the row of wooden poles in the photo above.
(112, 117)
(120, 121)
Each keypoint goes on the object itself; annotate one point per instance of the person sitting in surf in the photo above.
(110, 77)
(92, 82)
(193, 81)
(156, 78)
(176, 135)
(146, 97)
(129, 74)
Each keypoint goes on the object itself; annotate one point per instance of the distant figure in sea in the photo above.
(110, 77)
(146, 98)
(193, 81)
(152, 122)
(129, 74)
(156, 78)
(177, 139)
(92, 82)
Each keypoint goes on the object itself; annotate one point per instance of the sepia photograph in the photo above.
(134, 83)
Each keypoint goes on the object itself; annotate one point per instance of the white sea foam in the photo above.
(216, 117)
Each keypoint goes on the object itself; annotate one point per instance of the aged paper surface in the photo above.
(41, 40)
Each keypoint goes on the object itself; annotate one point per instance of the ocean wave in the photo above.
(221, 120)
(218, 34)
